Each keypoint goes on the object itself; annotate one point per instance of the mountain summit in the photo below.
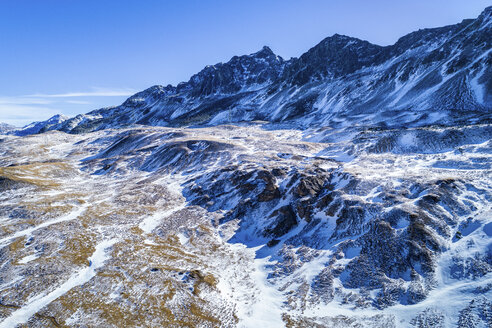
(431, 76)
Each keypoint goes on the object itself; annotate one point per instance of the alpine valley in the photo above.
(349, 187)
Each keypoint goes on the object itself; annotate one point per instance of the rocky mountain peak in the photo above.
(338, 39)
(240, 72)
(58, 118)
(334, 56)
(37, 127)
(486, 12)
(486, 16)
(265, 52)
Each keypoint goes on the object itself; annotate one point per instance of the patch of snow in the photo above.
(408, 139)
(36, 303)
(27, 232)
(182, 238)
(28, 258)
(258, 304)
(151, 222)
(478, 88)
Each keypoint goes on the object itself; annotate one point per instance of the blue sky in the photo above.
(72, 56)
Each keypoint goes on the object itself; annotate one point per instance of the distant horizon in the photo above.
(71, 58)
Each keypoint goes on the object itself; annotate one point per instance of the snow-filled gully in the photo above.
(22, 315)
(71, 216)
(258, 303)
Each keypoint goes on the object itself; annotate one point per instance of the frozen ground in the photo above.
(247, 226)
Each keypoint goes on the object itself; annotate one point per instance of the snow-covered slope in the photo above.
(4, 128)
(353, 188)
(439, 75)
(245, 226)
(37, 127)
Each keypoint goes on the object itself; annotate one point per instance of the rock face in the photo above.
(432, 76)
(244, 72)
(335, 56)
(365, 201)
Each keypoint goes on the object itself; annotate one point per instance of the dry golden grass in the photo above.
(17, 244)
(38, 174)
(145, 296)
(78, 248)
(16, 247)
(159, 297)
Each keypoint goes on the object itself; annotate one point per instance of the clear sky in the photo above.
(72, 56)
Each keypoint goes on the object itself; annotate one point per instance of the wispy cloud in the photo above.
(97, 92)
(78, 102)
(20, 115)
(22, 110)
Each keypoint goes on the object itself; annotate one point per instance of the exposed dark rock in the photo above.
(273, 242)
(284, 220)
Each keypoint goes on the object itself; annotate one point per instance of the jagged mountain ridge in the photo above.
(260, 224)
(431, 76)
(37, 127)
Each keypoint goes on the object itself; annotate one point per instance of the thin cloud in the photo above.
(44, 99)
(22, 110)
(78, 102)
(95, 93)
(20, 115)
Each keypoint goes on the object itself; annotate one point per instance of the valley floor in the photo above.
(246, 226)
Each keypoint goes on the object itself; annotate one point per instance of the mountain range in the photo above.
(349, 187)
(432, 76)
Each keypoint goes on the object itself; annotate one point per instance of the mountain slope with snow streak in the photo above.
(349, 187)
